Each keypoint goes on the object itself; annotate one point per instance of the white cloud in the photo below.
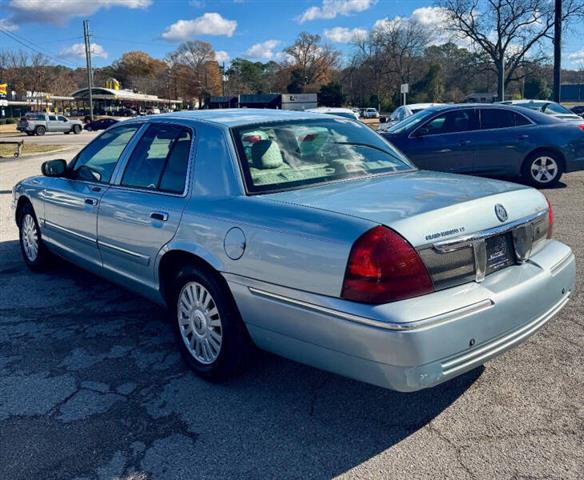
(577, 57)
(207, 24)
(77, 50)
(344, 35)
(60, 11)
(433, 19)
(221, 56)
(7, 25)
(264, 50)
(332, 8)
(197, 3)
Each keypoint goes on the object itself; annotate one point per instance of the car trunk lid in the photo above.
(463, 227)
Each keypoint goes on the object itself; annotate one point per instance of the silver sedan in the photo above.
(306, 235)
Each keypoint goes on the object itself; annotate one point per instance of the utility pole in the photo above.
(557, 50)
(87, 39)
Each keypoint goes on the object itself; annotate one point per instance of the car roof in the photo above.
(329, 110)
(423, 105)
(237, 117)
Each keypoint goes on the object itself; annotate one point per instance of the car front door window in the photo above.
(97, 161)
(455, 121)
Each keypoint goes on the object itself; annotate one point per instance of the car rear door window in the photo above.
(97, 161)
(160, 159)
(454, 121)
(492, 118)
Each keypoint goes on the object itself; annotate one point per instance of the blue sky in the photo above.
(256, 29)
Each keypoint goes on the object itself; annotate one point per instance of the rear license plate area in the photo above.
(500, 252)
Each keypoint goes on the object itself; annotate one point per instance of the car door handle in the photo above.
(96, 189)
(161, 216)
(523, 137)
(91, 201)
(464, 143)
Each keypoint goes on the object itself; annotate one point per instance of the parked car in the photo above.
(127, 112)
(100, 124)
(491, 140)
(578, 110)
(153, 111)
(550, 108)
(340, 112)
(370, 113)
(307, 235)
(41, 123)
(403, 112)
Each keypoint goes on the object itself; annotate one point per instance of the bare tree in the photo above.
(310, 61)
(391, 53)
(507, 30)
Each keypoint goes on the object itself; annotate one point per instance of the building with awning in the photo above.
(110, 99)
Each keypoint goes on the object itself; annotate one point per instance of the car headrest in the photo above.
(265, 154)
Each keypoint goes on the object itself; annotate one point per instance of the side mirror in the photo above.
(420, 132)
(54, 168)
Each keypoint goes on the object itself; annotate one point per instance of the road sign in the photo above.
(405, 88)
(3, 103)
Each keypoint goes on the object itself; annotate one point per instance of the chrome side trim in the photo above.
(404, 327)
(143, 259)
(71, 233)
(484, 353)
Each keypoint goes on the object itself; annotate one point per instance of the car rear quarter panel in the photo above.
(293, 246)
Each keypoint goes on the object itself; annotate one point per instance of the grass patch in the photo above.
(8, 150)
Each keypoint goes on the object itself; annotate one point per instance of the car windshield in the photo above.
(284, 155)
(411, 121)
(557, 108)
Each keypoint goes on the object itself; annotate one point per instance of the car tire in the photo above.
(209, 330)
(35, 253)
(67, 133)
(76, 129)
(40, 130)
(542, 169)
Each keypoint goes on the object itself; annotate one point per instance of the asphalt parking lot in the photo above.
(91, 387)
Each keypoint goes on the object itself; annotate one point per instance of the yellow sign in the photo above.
(3, 88)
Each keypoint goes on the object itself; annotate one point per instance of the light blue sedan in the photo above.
(307, 235)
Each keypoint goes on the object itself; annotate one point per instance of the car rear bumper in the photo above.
(416, 343)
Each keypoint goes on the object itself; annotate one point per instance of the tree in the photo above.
(251, 77)
(429, 89)
(140, 71)
(536, 87)
(310, 62)
(331, 95)
(391, 54)
(193, 64)
(506, 31)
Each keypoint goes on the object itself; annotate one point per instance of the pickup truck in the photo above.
(41, 123)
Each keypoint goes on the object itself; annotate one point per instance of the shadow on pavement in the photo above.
(91, 385)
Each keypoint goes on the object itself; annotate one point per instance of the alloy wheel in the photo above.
(199, 323)
(544, 169)
(30, 237)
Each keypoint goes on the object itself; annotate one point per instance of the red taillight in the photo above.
(550, 219)
(383, 267)
(581, 126)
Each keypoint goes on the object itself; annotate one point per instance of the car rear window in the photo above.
(284, 155)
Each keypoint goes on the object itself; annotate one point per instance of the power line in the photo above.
(35, 48)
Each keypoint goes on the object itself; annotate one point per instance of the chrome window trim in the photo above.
(427, 322)
(123, 161)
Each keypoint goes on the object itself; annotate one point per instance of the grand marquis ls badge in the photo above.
(501, 212)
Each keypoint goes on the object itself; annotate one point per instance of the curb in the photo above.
(38, 154)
